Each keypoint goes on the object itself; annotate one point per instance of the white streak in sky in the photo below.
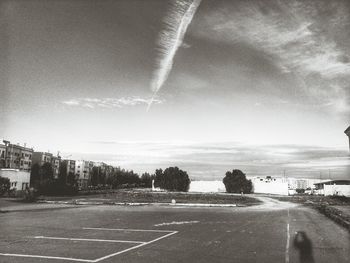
(170, 38)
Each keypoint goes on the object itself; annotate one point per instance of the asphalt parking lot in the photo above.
(170, 234)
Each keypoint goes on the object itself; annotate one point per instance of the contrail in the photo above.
(170, 38)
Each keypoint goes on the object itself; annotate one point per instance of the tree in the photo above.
(95, 176)
(62, 177)
(123, 178)
(71, 179)
(146, 180)
(173, 179)
(47, 171)
(4, 185)
(236, 182)
(35, 175)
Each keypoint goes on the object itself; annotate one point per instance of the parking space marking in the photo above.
(46, 257)
(140, 244)
(135, 247)
(88, 239)
(128, 230)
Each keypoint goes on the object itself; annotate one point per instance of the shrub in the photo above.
(236, 182)
(4, 185)
(172, 179)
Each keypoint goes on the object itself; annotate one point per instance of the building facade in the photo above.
(41, 157)
(56, 162)
(83, 171)
(270, 185)
(334, 188)
(2, 155)
(15, 156)
(19, 179)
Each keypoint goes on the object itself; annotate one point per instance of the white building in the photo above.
(270, 185)
(334, 187)
(207, 186)
(19, 179)
(83, 171)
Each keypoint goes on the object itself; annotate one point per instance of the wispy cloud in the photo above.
(212, 160)
(305, 38)
(109, 103)
(291, 32)
(171, 38)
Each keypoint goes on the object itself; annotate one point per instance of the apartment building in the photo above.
(15, 156)
(41, 158)
(69, 166)
(83, 171)
(2, 155)
(56, 162)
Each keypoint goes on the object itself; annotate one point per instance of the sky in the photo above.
(262, 86)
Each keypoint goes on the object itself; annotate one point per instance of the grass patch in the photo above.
(146, 196)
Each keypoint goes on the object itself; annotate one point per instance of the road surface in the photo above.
(265, 233)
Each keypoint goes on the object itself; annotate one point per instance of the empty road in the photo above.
(265, 233)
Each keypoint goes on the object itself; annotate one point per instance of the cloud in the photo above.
(212, 160)
(307, 39)
(290, 32)
(109, 103)
(171, 38)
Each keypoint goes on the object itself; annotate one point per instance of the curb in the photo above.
(138, 204)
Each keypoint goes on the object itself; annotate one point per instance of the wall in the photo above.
(207, 186)
(279, 188)
(21, 178)
(337, 190)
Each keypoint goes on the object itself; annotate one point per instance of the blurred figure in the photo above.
(304, 245)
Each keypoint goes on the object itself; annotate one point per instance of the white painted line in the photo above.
(288, 241)
(88, 239)
(177, 223)
(45, 257)
(135, 247)
(128, 230)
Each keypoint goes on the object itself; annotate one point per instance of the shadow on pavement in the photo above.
(304, 245)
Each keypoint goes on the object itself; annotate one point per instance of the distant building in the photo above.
(56, 162)
(19, 179)
(83, 171)
(15, 156)
(41, 158)
(347, 132)
(2, 155)
(333, 187)
(270, 185)
(207, 186)
(69, 166)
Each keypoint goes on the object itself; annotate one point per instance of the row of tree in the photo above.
(172, 179)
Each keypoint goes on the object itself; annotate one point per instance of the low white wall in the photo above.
(207, 186)
(342, 190)
(277, 188)
(18, 179)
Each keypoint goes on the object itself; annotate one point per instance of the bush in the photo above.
(172, 179)
(4, 185)
(146, 180)
(236, 182)
(124, 179)
(56, 187)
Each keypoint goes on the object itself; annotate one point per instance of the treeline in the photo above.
(42, 179)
